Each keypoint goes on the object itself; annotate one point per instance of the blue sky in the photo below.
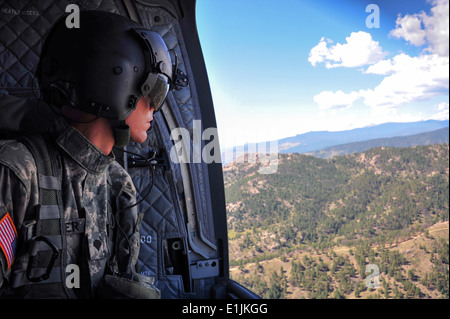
(281, 68)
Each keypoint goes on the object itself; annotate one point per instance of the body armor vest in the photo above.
(40, 267)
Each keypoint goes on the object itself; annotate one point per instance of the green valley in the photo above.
(315, 227)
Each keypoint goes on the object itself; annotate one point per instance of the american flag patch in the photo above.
(8, 238)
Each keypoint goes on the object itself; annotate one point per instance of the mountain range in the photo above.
(434, 137)
(312, 142)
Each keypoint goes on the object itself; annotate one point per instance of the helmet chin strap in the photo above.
(121, 134)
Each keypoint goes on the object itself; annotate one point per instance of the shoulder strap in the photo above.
(46, 266)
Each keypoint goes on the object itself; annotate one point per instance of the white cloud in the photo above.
(335, 100)
(441, 112)
(410, 79)
(421, 28)
(410, 28)
(442, 107)
(406, 79)
(359, 50)
(319, 52)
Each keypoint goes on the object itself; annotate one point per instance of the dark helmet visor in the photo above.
(157, 91)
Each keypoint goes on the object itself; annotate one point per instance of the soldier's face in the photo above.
(139, 120)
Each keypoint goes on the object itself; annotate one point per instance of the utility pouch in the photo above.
(117, 287)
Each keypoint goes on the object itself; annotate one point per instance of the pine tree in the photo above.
(357, 295)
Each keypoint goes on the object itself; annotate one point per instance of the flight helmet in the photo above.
(104, 66)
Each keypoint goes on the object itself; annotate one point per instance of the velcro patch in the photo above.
(8, 238)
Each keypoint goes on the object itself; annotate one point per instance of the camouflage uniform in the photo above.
(86, 198)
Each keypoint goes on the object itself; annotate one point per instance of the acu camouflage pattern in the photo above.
(18, 194)
(90, 183)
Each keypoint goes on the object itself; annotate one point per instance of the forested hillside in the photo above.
(372, 199)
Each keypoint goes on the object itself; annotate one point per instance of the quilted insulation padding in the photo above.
(185, 105)
(162, 216)
(23, 25)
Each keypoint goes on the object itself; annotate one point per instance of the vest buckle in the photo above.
(34, 248)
